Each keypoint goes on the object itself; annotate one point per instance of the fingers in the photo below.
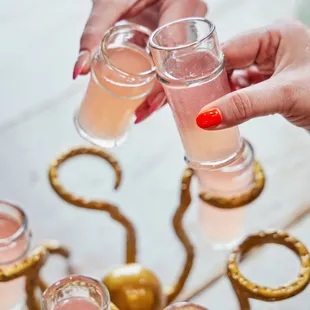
(155, 100)
(172, 10)
(265, 98)
(103, 15)
(258, 47)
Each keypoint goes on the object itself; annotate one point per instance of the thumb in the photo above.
(265, 98)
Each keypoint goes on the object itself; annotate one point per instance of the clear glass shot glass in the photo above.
(14, 245)
(190, 66)
(184, 306)
(76, 292)
(233, 179)
(122, 75)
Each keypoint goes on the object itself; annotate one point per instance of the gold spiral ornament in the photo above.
(80, 202)
(245, 289)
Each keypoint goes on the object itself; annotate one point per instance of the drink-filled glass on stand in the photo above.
(14, 246)
(191, 68)
(122, 75)
(76, 292)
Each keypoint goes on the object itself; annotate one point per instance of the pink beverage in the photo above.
(14, 243)
(77, 303)
(223, 228)
(122, 74)
(190, 66)
(184, 306)
(76, 293)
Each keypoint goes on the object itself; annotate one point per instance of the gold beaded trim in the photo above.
(30, 268)
(114, 212)
(246, 289)
(242, 199)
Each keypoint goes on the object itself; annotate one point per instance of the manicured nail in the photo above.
(80, 63)
(209, 119)
(159, 100)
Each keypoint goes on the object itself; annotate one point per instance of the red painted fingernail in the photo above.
(209, 119)
(80, 64)
(159, 100)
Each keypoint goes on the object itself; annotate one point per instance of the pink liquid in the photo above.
(223, 226)
(12, 292)
(200, 145)
(103, 114)
(77, 303)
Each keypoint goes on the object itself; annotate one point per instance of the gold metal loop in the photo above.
(185, 201)
(80, 202)
(245, 289)
(243, 199)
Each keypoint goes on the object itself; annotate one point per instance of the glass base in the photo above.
(101, 142)
(212, 165)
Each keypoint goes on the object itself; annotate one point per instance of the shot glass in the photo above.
(14, 245)
(122, 75)
(190, 66)
(76, 293)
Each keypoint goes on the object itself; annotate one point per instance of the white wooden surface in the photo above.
(38, 99)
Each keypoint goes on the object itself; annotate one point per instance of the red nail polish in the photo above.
(80, 63)
(209, 119)
(77, 71)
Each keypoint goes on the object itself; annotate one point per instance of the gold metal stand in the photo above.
(121, 281)
(30, 268)
(132, 286)
(245, 289)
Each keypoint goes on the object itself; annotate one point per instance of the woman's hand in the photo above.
(270, 68)
(150, 13)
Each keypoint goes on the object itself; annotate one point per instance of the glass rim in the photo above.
(64, 281)
(21, 230)
(119, 28)
(181, 46)
(181, 304)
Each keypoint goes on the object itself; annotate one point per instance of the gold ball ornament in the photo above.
(133, 287)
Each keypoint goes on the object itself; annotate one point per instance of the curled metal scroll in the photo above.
(242, 199)
(113, 211)
(185, 201)
(246, 290)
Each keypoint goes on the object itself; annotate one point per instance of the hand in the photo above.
(270, 70)
(150, 13)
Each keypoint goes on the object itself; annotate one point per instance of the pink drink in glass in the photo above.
(122, 75)
(77, 303)
(223, 228)
(14, 244)
(190, 66)
(76, 292)
(186, 102)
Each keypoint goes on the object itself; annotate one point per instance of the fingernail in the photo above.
(141, 117)
(209, 119)
(80, 63)
(242, 82)
(157, 102)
